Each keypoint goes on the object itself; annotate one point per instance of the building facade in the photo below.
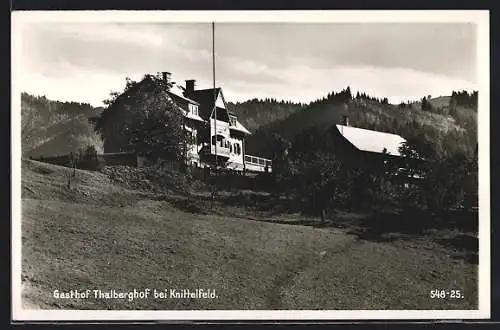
(217, 135)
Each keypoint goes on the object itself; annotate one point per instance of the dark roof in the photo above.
(206, 99)
(178, 92)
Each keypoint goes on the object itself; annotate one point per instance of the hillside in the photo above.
(51, 128)
(450, 130)
(101, 235)
(256, 113)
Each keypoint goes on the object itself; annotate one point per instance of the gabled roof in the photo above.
(190, 115)
(178, 92)
(240, 127)
(372, 141)
(206, 98)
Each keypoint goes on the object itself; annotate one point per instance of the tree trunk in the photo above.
(277, 187)
(322, 214)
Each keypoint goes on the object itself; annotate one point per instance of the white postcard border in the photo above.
(478, 17)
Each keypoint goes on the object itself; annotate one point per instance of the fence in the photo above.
(119, 158)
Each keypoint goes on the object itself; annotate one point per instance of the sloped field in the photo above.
(100, 236)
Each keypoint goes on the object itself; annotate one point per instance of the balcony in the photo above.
(219, 127)
(258, 164)
(210, 150)
(220, 150)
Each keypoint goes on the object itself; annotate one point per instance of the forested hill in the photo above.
(50, 128)
(449, 123)
(256, 112)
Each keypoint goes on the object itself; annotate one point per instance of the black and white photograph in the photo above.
(249, 166)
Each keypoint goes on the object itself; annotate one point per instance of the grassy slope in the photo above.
(101, 236)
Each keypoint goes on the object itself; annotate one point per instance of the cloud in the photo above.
(76, 86)
(297, 61)
(114, 48)
(441, 48)
(304, 84)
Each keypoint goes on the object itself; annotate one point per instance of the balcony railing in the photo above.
(258, 161)
(259, 164)
(221, 151)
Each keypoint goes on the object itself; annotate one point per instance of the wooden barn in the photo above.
(369, 149)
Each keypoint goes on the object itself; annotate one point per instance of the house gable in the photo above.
(220, 101)
(207, 98)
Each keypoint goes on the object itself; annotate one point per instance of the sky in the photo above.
(300, 62)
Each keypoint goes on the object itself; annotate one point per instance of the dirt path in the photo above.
(285, 280)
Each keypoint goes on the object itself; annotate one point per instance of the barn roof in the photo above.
(372, 141)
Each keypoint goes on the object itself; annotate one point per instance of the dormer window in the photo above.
(232, 120)
(193, 108)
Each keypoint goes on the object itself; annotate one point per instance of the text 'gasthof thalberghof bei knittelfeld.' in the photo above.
(147, 293)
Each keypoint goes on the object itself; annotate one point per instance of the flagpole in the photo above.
(215, 95)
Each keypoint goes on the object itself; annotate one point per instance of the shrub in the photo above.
(89, 160)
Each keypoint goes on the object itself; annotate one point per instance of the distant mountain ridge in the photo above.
(450, 126)
(256, 113)
(51, 128)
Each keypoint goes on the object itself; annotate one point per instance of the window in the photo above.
(231, 148)
(193, 108)
(220, 141)
(232, 120)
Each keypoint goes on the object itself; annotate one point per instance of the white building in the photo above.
(217, 134)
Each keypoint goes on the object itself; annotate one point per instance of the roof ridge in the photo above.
(370, 130)
(206, 89)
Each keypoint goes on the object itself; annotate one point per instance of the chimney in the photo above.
(345, 120)
(166, 76)
(190, 84)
